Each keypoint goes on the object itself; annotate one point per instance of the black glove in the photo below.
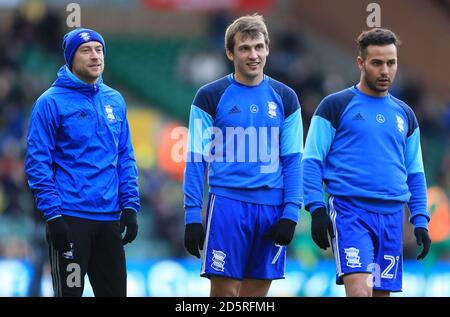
(321, 226)
(59, 234)
(128, 219)
(194, 236)
(422, 237)
(281, 232)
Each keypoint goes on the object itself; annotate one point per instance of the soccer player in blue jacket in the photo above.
(82, 171)
(245, 130)
(364, 144)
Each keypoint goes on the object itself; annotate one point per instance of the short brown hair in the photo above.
(376, 36)
(249, 25)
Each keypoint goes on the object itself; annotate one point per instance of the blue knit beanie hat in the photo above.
(75, 38)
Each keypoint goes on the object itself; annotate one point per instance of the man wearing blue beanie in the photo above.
(89, 40)
(81, 168)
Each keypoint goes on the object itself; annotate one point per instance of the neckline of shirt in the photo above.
(233, 80)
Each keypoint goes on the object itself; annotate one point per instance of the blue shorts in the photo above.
(234, 244)
(367, 242)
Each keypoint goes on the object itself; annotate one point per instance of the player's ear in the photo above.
(230, 55)
(360, 62)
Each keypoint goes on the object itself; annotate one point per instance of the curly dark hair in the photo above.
(376, 36)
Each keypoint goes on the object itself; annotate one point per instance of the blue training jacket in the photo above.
(250, 141)
(80, 159)
(366, 149)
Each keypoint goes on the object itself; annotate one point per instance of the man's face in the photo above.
(249, 56)
(88, 62)
(379, 67)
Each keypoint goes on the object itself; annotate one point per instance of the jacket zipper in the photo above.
(95, 107)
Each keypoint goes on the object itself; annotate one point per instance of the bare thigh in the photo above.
(254, 288)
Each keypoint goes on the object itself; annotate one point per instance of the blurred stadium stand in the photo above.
(158, 57)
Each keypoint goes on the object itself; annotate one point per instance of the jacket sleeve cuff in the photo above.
(420, 221)
(54, 217)
(52, 214)
(193, 215)
(130, 204)
(130, 208)
(291, 212)
(314, 206)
